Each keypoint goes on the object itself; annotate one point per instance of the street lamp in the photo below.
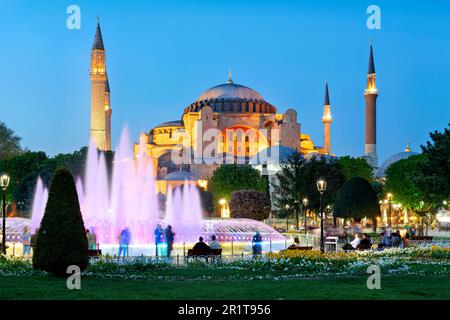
(321, 187)
(305, 205)
(287, 218)
(389, 198)
(4, 182)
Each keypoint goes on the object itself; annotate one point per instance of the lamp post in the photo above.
(305, 205)
(297, 220)
(287, 218)
(389, 198)
(4, 182)
(321, 187)
(421, 204)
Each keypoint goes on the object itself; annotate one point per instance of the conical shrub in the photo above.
(61, 241)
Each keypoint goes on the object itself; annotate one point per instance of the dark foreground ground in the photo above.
(392, 287)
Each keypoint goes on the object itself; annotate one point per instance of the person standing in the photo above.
(33, 239)
(124, 242)
(170, 236)
(257, 244)
(92, 240)
(158, 238)
(26, 241)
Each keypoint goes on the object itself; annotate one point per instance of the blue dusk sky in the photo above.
(162, 55)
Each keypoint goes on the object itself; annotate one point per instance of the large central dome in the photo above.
(232, 98)
(230, 91)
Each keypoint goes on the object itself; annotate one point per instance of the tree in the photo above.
(435, 171)
(233, 177)
(403, 181)
(250, 204)
(297, 180)
(356, 199)
(9, 142)
(61, 241)
(356, 167)
(23, 170)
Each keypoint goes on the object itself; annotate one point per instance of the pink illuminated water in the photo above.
(39, 203)
(184, 213)
(127, 199)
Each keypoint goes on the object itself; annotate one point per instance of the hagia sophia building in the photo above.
(248, 127)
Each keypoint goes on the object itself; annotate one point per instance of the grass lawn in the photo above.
(184, 287)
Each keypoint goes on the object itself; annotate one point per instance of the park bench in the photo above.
(94, 253)
(299, 248)
(210, 255)
(418, 240)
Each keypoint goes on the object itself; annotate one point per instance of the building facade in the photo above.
(228, 123)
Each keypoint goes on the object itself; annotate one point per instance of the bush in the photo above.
(250, 204)
(61, 241)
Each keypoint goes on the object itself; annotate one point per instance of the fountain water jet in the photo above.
(39, 203)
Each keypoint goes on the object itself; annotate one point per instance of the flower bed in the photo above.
(425, 260)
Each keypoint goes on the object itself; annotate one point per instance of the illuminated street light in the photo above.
(4, 183)
(321, 187)
(305, 205)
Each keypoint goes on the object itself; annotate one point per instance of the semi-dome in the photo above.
(231, 98)
(381, 172)
(180, 176)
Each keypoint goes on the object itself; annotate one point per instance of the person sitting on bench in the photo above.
(200, 246)
(214, 244)
(365, 243)
(295, 245)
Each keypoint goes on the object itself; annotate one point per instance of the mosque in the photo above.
(228, 123)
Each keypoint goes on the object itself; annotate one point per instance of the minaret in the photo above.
(108, 113)
(100, 108)
(371, 94)
(327, 120)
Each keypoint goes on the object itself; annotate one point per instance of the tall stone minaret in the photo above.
(327, 120)
(371, 94)
(108, 114)
(100, 104)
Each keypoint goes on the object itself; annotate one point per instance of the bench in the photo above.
(214, 254)
(418, 240)
(299, 248)
(94, 253)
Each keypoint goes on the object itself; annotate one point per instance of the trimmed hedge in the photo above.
(61, 241)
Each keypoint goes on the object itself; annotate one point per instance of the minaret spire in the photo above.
(98, 40)
(371, 63)
(327, 96)
(327, 119)
(371, 95)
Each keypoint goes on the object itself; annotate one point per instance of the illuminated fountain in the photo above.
(39, 203)
(127, 198)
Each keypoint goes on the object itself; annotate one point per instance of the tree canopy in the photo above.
(403, 181)
(356, 167)
(435, 177)
(233, 177)
(25, 168)
(297, 180)
(356, 199)
(9, 142)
